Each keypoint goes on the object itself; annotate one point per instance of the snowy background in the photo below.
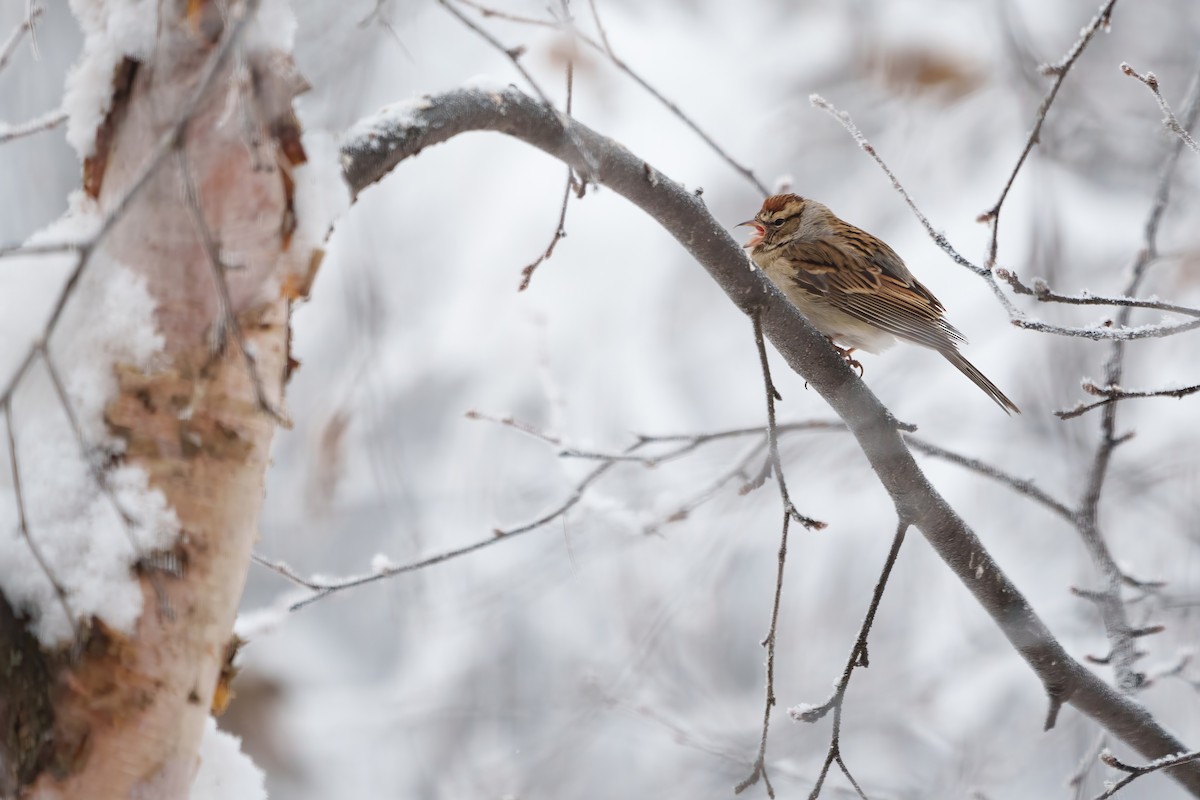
(612, 654)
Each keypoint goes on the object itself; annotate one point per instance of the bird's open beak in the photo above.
(759, 232)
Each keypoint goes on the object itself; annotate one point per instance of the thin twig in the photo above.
(1107, 332)
(14, 39)
(559, 229)
(1076, 779)
(1045, 294)
(226, 325)
(789, 509)
(15, 249)
(513, 54)
(759, 769)
(606, 47)
(508, 16)
(322, 589)
(559, 233)
(1018, 485)
(737, 471)
(1112, 609)
(1112, 394)
(1118, 332)
(938, 237)
(1059, 70)
(687, 442)
(30, 7)
(23, 521)
(46, 122)
(858, 658)
(1170, 122)
(1136, 772)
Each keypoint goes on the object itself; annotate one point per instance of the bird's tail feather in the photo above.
(980, 380)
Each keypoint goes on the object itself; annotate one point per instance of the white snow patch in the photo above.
(321, 194)
(261, 622)
(112, 30)
(392, 117)
(226, 773)
(798, 711)
(381, 563)
(73, 511)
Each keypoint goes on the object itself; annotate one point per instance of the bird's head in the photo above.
(782, 218)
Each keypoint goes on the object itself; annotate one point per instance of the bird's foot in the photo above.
(848, 354)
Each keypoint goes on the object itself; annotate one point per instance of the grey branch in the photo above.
(377, 146)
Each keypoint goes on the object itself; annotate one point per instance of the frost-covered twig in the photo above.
(1170, 122)
(46, 122)
(1109, 331)
(1059, 70)
(789, 509)
(1166, 762)
(14, 39)
(1042, 291)
(1112, 394)
(226, 325)
(790, 513)
(1103, 332)
(1018, 485)
(1076, 779)
(937, 236)
(385, 569)
(488, 11)
(858, 658)
(605, 47)
(513, 54)
(684, 443)
(687, 444)
(739, 470)
(1111, 606)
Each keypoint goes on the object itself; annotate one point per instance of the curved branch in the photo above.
(375, 146)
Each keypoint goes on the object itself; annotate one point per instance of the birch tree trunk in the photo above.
(193, 161)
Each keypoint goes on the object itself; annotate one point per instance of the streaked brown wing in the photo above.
(878, 290)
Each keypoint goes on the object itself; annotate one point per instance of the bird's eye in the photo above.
(778, 223)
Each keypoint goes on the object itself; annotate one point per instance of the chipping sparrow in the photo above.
(851, 286)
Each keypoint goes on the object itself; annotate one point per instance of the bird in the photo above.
(851, 286)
